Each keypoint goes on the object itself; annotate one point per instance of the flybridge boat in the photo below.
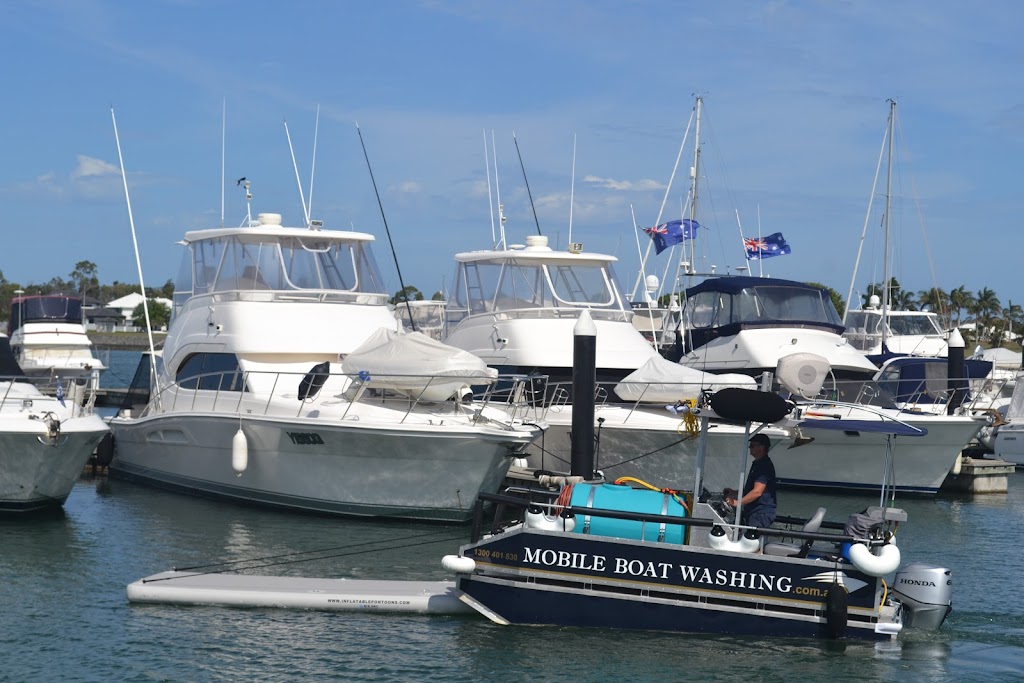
(610, 555)
(515, 309)
(914, 333)
(282, 382)
(45, 441)
(49, 340)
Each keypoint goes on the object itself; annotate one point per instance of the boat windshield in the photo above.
(914, 323)
(276, 264)
(500, 285)
(762, 304)
(45, 309)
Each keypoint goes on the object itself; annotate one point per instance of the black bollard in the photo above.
(584, 379)
(955, 371)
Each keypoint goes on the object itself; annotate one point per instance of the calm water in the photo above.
(64, 615)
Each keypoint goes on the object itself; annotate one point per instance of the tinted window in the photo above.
(211, 372)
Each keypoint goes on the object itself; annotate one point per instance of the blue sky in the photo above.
(795, 96)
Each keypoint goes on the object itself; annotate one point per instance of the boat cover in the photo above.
(1015, 410)
(416, 365)
(662, 381)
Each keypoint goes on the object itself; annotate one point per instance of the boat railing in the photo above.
(81, 394)
(915, 395)
(502, 502)
(264, 393)
(298, 296)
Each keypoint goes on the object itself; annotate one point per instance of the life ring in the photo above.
(883, 560)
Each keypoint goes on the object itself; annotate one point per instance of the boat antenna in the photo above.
(138, 260)
(572, 189)
(497, 192)
(527, 182)
(302, 198)
(312, 170)
(401, 282)
(490, 198)
(223, 135)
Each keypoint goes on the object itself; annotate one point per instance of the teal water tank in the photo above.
(627, 499)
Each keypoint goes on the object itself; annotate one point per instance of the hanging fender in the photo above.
(239, 452)
(883, 560)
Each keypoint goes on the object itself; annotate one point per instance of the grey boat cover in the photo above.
(662, 381)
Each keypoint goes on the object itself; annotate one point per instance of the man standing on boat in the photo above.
(759, 489)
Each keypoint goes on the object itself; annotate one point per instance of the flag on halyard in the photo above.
(672, 233)
(765, 247)
(60, 393)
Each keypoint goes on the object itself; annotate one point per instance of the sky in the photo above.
(795, 101)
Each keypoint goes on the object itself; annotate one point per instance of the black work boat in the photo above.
(614, 556)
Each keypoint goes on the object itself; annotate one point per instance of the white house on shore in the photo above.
(127, 304)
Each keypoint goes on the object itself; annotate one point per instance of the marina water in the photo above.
(64, 615)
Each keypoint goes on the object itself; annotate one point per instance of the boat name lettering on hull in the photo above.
(692, 574)
(305, 438)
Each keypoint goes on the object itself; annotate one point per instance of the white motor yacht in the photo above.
(49, 339)
(273, 387)
(514, 308)
(45, 441)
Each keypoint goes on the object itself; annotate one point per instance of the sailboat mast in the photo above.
(888, 211)
(694, 174)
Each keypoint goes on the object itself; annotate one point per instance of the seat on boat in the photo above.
(797, 549)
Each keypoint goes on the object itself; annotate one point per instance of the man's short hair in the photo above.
(761, 439)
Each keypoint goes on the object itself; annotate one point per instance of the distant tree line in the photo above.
(83, 281)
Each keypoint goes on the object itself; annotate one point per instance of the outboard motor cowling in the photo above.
(926, 593)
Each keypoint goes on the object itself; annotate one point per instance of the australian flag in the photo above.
(765, 247)
(672, 233)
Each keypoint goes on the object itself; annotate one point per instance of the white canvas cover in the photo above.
(1015, 411)
(662, 381)
(1002, 358)
(416, 365)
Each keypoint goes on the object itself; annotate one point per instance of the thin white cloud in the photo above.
(89, 167)
(644, 185)
(410, 187)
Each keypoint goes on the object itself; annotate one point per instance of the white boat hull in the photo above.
(35, 474)
(351, 468)
(656, 448)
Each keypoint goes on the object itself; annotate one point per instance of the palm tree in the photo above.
(960, 299)
(987, 310)
(937, 300)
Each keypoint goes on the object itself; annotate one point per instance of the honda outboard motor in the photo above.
(926, 593)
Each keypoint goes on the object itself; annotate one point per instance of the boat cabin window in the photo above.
(286, 263)
(501, 285)
(762, 304)
(210, 372)
(44, 309)
(915, 324)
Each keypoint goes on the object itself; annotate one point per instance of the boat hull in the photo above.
(532, 577)
(418, 472)
(35, 475)
(653, 445)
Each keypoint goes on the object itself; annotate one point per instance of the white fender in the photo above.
(957, 464)
(239, 452)
(458, 565)
(744, 545)
(538, 520)
(884, 560)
